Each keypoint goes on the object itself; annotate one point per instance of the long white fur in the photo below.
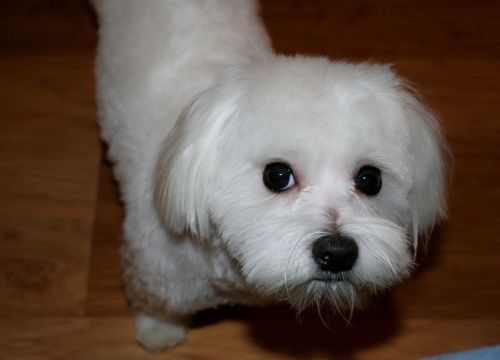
(193, 103)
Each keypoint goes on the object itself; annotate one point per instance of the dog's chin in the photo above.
(325, 290)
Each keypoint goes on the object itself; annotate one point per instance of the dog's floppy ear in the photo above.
(430, 156)
(186, 161)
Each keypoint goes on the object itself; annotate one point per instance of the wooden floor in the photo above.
(60, 216)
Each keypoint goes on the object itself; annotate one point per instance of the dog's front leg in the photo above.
(156, 334)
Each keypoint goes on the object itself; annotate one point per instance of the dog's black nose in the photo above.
(335, 253)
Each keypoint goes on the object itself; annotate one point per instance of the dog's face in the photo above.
(316, 177)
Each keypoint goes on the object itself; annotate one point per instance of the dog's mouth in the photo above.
(332, 277)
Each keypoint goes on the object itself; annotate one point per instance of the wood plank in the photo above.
(385, 30)
(45, 25)
(105, 295)
(48, 183)
(105, 338)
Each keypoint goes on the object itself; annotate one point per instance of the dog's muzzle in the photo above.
(335, 253)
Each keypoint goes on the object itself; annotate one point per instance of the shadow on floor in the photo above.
(279, 329)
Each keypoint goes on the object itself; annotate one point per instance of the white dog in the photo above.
(251, 177)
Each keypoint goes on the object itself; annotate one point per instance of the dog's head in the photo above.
(317, 177)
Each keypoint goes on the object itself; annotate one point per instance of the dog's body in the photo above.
(201, 77)
(153, 58)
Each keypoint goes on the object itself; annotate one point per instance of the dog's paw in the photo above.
(155, 334)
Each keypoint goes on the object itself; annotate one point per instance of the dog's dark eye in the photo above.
(278, 177)
(369, 180)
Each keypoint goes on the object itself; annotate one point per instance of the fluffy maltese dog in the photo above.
(252, 177)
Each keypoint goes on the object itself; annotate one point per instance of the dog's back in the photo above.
(153, 57)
